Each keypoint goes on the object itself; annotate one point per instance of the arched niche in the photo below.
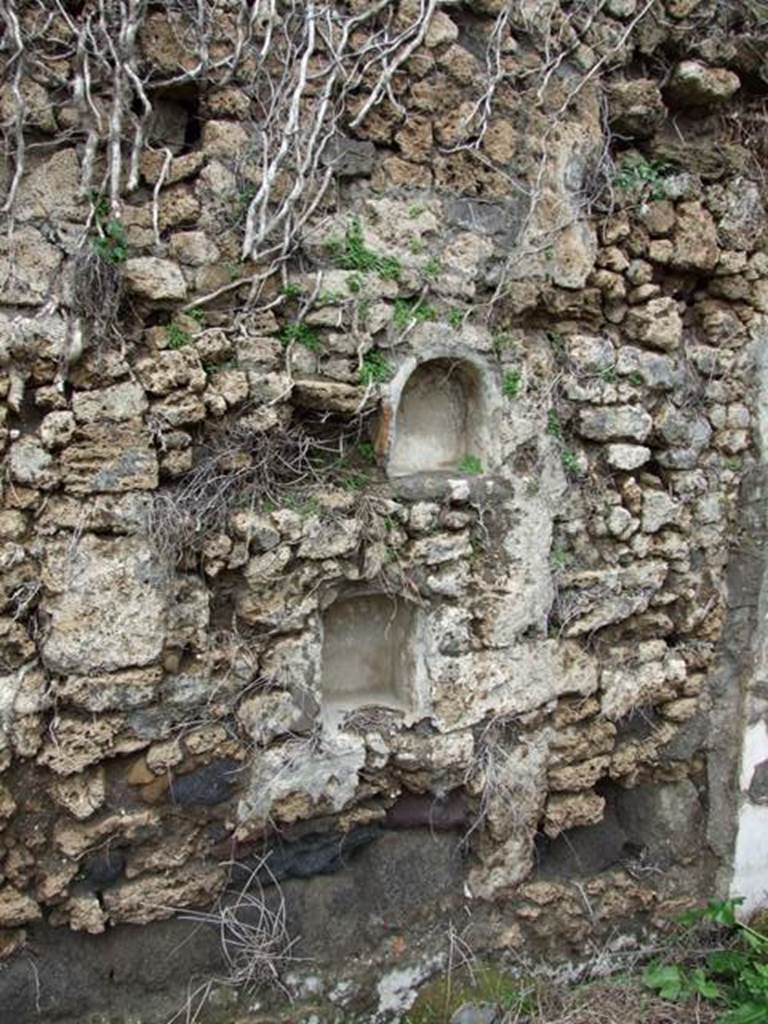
(370, 653)
(440, 419)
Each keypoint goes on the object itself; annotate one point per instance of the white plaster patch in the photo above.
(750, 862)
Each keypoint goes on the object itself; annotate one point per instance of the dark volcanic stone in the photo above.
(210, 785)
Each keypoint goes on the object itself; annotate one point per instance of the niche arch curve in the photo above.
(441, 414)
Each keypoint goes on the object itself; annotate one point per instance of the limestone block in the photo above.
(116, 691)
(118, 402)
(86, 914)
(74, 839)
(83, 794)
(150, 277)
(657, 324)
(614, 423)
(635, 107)
(693, 84)
(109, 458)
(51, 190)
(327, 539)
(171, 369)
(193, 248)
(106, 605)
(596, 598)
(29, 463)
(744, 219)
(627, 457)
(155, 897)
(16, 908)
(57, 429)
(658, 372)
(572, 810)
(694, 239)
(28, 266)
(73, 744)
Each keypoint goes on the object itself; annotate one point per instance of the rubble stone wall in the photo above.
(383, 489)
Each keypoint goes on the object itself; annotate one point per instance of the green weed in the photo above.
(734, 977)
(637, 172)
(176, 336)
(353, 254)
(554, 426)
(112, 244)
(198, 315)
(300, 334)
(471, 465)
(433, 268)
(571, 463)
(406, 313)
(513, 381)
(293, 291)
(375, 368)
(456, 318)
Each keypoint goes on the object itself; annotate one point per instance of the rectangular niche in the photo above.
(370, 653)
(440, 419)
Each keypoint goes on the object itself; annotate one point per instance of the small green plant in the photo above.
(353, 254)
(501, 341)
(560, 558)
(608, 374)
(406, 313)
(456, 318)
(471, 465)
(355, 482)
(198, 315)
(554, 426)
(112, 243)
(329, 298)
(300, 334)
(416, 246)
(176, 336)
(433, 268)
(636, 379)
(293, 291)
(367, 452)
(513, 381)
(637, 172)
(733, 977)
(734, 463)
(415, 211)
(355, 283)
(375, 369)
(570, 463)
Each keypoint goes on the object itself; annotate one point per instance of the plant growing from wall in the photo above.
(637, 173)
(353, 254)
(298, 333)
(471, 465)
(513, 382)
(374, 369)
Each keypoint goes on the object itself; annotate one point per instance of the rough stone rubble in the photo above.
(161, 696)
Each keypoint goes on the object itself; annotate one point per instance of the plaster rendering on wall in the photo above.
(369, 652)
(440, 419)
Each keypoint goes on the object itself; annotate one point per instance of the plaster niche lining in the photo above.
(440, 418)
(370, 653)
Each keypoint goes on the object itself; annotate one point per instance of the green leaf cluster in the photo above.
(636, 172)
(734, 977)
(375, 368)
(353, 254)
(299, 333)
